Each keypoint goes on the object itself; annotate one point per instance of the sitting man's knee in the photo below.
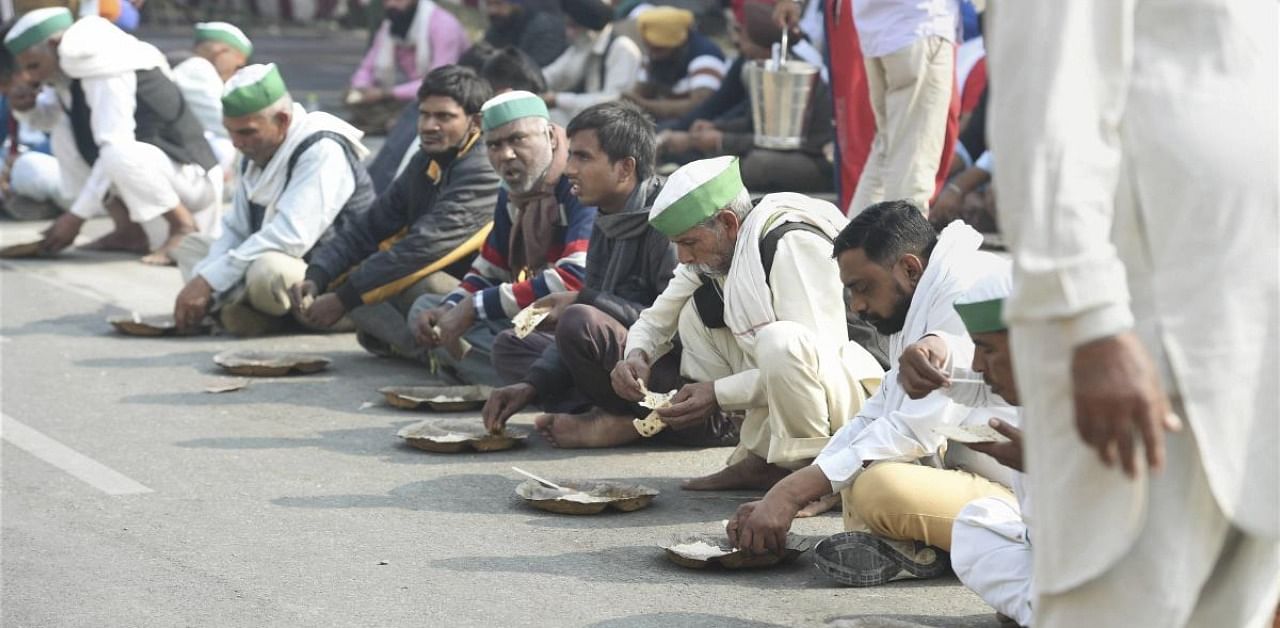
(574, 319)
(267, 283)
(879, 493)
(783, 340)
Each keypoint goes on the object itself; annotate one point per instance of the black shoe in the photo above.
(860, 559)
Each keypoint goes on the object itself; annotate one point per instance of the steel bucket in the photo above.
(779, 102)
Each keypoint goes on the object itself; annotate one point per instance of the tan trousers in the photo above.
(910, 95)
(913, 502)
(809, 390)
(260, 303)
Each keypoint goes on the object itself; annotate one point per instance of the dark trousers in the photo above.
(590, 344)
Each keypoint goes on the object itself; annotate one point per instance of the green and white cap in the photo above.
(225, 33)
(982, 306)
(512, 106)
(36, 26)
(252, 89)
(695, 193)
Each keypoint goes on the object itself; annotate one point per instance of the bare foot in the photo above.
(819, 506)
(131, 239)
(160, 256)
(583, 431)
(750, 473)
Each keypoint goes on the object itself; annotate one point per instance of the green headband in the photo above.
(700, 203)
(512, 110)
(226, 37)
(53, 24)
(254, 97)
(982, 317)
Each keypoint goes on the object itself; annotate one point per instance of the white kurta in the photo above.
(1135, 146)
(602, 69)
(321, 185)
(201, 87)
(892, 426)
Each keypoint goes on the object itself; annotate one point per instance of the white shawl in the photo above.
(95, 47)
(384, 65)
(748, 300)
(262, 186)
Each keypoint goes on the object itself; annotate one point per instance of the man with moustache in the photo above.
(629, 263)
(903, 278)
(758, 308)
(420, 235)
(537, 247)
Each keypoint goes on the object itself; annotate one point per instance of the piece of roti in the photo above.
(528, 320)
(971, 433)
(653, 400)
(650, 425)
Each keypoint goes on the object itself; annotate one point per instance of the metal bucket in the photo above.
(779, 102)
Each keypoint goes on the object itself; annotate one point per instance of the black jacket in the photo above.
(431, 210)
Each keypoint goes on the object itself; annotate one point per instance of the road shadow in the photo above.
(198, 360)
(468, 493)
(986, 620)
(684, 620)
(635, 564)
(78, 325)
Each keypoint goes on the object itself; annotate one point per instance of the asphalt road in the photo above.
(130, 497)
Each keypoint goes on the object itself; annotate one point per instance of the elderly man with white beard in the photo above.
(759, 309)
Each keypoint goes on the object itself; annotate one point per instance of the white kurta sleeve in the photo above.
(1069, 110)
(658, 324)
(235, 230)
(46, 113)
(112, 102)
(321, 185)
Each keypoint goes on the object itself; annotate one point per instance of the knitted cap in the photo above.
(512, 106)
(225, 33)
(665, 27)
(252, 89)
(694, 193)
(36, 26)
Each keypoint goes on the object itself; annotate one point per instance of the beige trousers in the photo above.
(914, 502)
(259, 304)
(809, 390)
(910, 95)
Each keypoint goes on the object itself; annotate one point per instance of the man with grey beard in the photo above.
(537, 245)
(758, 306)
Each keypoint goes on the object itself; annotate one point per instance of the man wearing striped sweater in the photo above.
(538, 245)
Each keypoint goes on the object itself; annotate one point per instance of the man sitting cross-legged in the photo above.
(629, 263)
(421, 234)
(903, 278)
(990, 544)
(538, 245)
(301, 178)
(758, 307)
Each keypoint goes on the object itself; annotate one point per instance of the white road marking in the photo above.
(76, 464)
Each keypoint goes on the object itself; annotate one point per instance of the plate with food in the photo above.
(437, 398)
(701, 551)
(270, 363)
(451, 436)
(584, 497)
(152, 326)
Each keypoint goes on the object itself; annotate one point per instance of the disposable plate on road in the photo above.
(701, 551)
(19, 251)
(438, 398)
(586, 497)
(451, 436)
(152, 326)
(270, 363)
